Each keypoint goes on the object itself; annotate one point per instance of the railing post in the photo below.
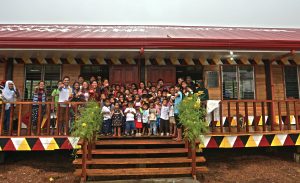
(279, 115)
(237, 116)
(84, 154)
(48, 118)
(296, 115)
(221, 116)
(29, 120)
(288, 115)
(58, 120)
(193, 148)
(263, 113)
(11, 119)
(40, 117)
(66, 130)
(229, 116)
(19, 120)
(255, 116)
(246, 117)
(2, 118)
(90, 146)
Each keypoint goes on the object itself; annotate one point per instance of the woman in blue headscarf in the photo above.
(9, 94)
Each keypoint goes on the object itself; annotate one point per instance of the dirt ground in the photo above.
(225, 166)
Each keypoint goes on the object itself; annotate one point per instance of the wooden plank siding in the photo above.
(71, 70)
(260, 82)
(2, 71)
(278, 80)
(19, 77)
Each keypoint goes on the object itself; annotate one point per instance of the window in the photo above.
(291, 82)
(94, 70)
(35, 73)
(212, 79)
(238, 82)
(194, 71)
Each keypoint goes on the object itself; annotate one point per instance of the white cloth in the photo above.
(130, 113)
(106, 112)
(212, 106)
(8, 94)
(171, 113)
(64, 94)
(164, 113)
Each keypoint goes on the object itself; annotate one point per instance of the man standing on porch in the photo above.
(65, 94)
(178, 99)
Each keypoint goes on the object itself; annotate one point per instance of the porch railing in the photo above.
(232, 116)
(255, 116)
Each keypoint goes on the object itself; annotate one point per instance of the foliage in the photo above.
(88, 121)
(193, 117)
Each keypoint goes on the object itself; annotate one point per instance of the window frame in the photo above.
(43, 71)
(284, 81)
(238, 81)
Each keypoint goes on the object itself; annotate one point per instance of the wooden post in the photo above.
(2, 118)
(246, 117)
(237, 116)
(229, 117)
(255, 115)
(29, 120)
(288, 115)
(84, 154)
(279, 115)
(90, 147)
(39, 122)
(221, 116)
(66, 130)
(296, 115)
(263, 113)
(11, 116)
(48, 114)
(58, 120)
(193, 149)
(19, 120)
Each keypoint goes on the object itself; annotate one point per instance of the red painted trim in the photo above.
(163, 43)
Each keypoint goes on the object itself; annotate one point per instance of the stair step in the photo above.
(137, 151)
(138, 142)
(140, 171)
(127, 161)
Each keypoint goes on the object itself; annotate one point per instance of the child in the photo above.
(106, 128)
(145, 113)
(152, 119)
(157, 107)
(116, 119)
(172, 118)
(138, 120)
(164, 118)
(130, 113)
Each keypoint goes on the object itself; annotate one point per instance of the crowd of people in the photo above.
(132, 109)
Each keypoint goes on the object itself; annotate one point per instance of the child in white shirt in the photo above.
(129, 113)
(164, 118)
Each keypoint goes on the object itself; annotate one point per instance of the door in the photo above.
(123, 74)
(167, 73)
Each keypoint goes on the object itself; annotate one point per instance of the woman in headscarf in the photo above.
(9, 94)
(39, 95)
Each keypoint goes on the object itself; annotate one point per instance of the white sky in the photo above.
(246, 13)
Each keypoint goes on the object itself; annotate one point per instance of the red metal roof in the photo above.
(98, 36)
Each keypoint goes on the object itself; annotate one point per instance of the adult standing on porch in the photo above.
(39, 95)
(10, 94)
(65, 94)
(178, 99)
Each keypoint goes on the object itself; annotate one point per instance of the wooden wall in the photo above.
(70, 70)
(2, 71)
(19, 77)
(260, 82)
(278, 80)
(214, 93)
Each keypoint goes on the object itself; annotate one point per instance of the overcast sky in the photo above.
(249, 13)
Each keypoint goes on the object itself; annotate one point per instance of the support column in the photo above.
(9, 69)
(270, 92)
(142, 70)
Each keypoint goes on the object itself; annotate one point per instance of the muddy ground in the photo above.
(240, 165)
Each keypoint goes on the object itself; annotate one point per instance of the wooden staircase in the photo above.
(135, 158)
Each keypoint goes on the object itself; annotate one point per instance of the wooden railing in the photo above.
(21, 119)
(236, 116)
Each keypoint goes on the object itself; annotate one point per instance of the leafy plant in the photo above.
(193, 117)
(88, 121)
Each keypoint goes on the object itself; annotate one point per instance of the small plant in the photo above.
(88, 121)
(193, 117)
